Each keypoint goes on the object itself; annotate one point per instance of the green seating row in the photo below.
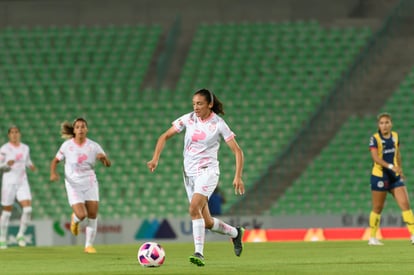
(339, 177)
(266, 100)
(275, 74)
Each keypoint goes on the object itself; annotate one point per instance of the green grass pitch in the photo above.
(353, 257)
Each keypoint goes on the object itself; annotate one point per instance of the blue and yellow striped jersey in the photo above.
(387, 150)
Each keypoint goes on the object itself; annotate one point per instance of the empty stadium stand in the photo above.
(338, 181)
(270, 76)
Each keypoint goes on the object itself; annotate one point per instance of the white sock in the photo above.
(199, 235)
(223, 228)
(91, 232)
(24, 220)
(4, 225)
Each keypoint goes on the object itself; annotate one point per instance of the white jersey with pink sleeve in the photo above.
(79, 161)
(202, 141)
(16, 174)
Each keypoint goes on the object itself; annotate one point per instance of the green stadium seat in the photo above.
(347, 179)
(97, 71)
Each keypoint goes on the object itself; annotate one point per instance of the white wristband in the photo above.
(390, 166)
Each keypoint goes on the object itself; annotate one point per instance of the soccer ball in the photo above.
(151, 254)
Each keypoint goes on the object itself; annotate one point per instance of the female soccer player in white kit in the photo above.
(204, 130)
(80, 155)
(14, 159)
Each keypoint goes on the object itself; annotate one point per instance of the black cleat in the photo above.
(197, 259)
(238, 241)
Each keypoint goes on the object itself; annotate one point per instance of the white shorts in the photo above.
(203, 184)
(81, 194)
(10, 192)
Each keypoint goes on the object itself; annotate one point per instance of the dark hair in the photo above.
(385, 114)
(66, 128)
(13, 127)
(217, 105)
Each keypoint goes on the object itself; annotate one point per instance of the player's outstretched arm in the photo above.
(104, 159)
(153, 163)
(53, 175)
(237, 181)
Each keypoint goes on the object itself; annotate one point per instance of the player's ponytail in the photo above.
(212, 98)
(66, 130)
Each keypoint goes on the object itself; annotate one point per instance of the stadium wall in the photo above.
(163, 12)
(259, 229)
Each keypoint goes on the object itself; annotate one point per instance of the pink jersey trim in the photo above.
(59, 156)
(79, 145)
(230, 138)
(176, 128)
(208, 118)
(14, 146)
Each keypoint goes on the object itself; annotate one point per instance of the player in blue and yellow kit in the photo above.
(387, 176)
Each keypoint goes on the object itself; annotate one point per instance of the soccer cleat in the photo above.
(374, 241)
(21, 241)
(197, 259)
(74, 227)
(238, 241)
(90, 250)
(3, 245)
(412, 239)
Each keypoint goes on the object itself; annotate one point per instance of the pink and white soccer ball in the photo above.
(151, 254)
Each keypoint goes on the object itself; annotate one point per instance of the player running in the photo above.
(14, 159)
(204, 129)
(80, 155)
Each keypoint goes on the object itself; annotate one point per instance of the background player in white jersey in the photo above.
(204, 131)
(14, 159)
(80, 155)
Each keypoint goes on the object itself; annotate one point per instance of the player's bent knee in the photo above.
(209, 223)
(8, 208)
(194, 211)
